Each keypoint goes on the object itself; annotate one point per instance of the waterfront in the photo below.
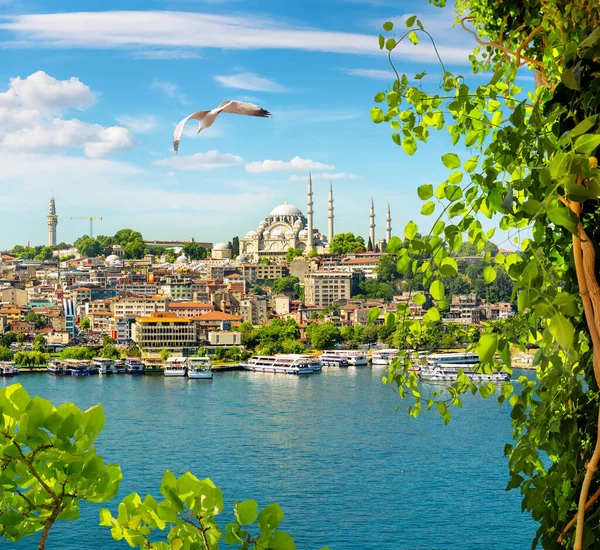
(348, 470)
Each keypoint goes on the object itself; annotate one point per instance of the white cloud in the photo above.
(201, 161)
(30, 118)
(326, 176)
(296, 163)
(140, 124)
(170, 90)
(250, 81)
(165, 54)
(41, 93)
(175, 29)
(372, 73)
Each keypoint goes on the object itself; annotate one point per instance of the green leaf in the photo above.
(451, 161)
(246, 512)
(390, 44)
(587, 143)
(270, 517)
(562, 330)
(571, 78)
(374, 314)
(411, 21)
(388, 26)
(390, 319)
(449, 267)
(455, 178)
(428, 208)
(425, 191)
(409, 145)
(281, 541)
(489, 274)
(437, 290)
(376, 115)
(380, 97)
(412, 36)
(560, 164)
(419, 299)
(563, 216)
(403, 263)
(434, 314)
(410, 231)
(381, 41)
(393, 246)
(585, 125)
(486, 347)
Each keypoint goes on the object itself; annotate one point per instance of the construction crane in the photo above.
(91, 218)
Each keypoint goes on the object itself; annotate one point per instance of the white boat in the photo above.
(133, 365)
(56, 368)
(176, 366)
(331, 360)
(293, 363)
(78, 367)
(384, 356)
(105, 366)
(355, 357)
(120, 367)
(8, 369)
(199, 367)
(446, 367)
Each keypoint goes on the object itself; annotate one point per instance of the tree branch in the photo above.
(589, 503)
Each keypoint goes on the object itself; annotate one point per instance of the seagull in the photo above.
(207, 118)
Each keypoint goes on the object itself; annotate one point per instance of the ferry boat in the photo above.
(153, 365)
(77, 367)
(134, 366)
(282, 364)
(330, 360)
(355, 357)
(105, 366)
(8, 369)
(384, 356)
(199, 367)
(176, 366)
(120, 367)
(56, 368)
(446, 367)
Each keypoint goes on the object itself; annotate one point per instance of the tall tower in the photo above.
(52, 223)
(309, 215)
(388, 226)
(372, 224)
(330, 216)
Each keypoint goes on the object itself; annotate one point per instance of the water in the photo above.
(349, 471)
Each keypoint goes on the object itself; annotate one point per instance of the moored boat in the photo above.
(8, 369)
(176, 366)
(120, 367)
(199, 367)
(384, 356)
(56, 368)
(133, 365)
(447, 367)
(331, 360)
(105, 366)
(282, 364)
(355, 357)
(77, 367)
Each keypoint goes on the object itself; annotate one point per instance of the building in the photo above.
(225, 338)
(177, 290)
(322, 288)
(52, 223)
(253, 309)
(258, 273)
(464, 309)
(189, 309)
(138, 306)
(221, 251)
(164, 331)
(284, 228)
(215, 321)
(14, 296)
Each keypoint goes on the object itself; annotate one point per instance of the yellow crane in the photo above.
(91, 218)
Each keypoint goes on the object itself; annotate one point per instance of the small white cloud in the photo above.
(140, 124)
(170, 90)
(250, 81)
(326, 176)
(372, 73)
(165, 54)
(296, 163)
(201, 161)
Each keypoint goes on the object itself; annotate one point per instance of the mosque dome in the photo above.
(278, 232)
(181, 260)
(298, 224)
(221, 246)
(112, 259)
(251, 234)
(285, 209)
(289, 233)
(242, 258)
(303, 233)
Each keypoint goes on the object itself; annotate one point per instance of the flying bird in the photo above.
(207, 118)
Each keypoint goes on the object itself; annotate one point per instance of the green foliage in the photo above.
(188, 514)
(30, 358)
(346, 243)
(85, 324)
(8, 338)
(5, 354)
(194, 251)
(293, 253)
(264, 261)
(271, 338)
(89, 247)
(39, 343)
(285, 284)
(109, 351)
(531, 164)
(45, 254)
(323, 335)
(164, 354)
(79, 352)
(133, 351)
(49, 463)
(312, 254)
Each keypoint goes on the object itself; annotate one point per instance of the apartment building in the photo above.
(256, 273)
(189, 309)
(254, 310)
(138, 306)
(162, 330)
(322, 288)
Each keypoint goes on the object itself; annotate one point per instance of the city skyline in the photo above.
(89, 120)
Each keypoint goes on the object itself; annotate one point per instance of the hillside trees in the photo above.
(346, 243)
(531, 164)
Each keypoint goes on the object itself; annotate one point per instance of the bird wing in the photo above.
(241, 108)
(198, 115)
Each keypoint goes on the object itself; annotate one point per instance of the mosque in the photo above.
(287, 227)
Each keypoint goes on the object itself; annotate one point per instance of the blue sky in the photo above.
(89, 100)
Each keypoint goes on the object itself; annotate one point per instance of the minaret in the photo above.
(372, 224)
(388, 226)
(52, 223)
(330, 217)
(309, 215)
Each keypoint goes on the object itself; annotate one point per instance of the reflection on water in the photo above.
(349, 471)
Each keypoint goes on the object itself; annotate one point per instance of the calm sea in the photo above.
(349, 471)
